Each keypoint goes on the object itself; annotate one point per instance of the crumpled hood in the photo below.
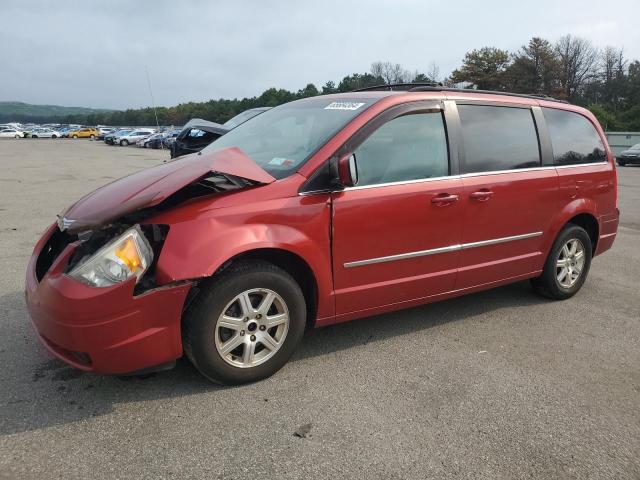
(151, 186)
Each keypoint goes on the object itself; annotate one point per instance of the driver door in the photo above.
(396, 233)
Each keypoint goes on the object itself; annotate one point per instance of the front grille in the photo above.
(51, 250)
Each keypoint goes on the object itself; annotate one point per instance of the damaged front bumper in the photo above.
(105, 330)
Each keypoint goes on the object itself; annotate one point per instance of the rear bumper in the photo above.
(608, 231)
(104, 330)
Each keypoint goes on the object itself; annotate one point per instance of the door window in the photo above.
(498, 138)
(574, 139)
(409, 147)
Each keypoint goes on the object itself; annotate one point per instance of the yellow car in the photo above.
(84, 133)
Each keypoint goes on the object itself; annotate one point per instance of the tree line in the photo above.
(572, 68)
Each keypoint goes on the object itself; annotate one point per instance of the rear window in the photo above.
(498, 138)
(574, 139)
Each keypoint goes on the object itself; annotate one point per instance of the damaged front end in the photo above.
(129, 246)
(92, 287)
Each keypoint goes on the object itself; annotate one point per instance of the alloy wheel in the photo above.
(252, 328)
(570, 263)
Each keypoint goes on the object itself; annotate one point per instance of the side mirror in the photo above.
(347, 170)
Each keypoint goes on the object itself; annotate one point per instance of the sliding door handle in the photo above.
(481, 195)
(444, 199)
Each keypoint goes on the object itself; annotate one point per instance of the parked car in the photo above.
(132, 137)
(111, 137)
(11, 133)
(170, 138)
(103, 132)
(320, 211)
(151, 141)
(198, 133)
(88, 132)
(630, 156)
(44, 133)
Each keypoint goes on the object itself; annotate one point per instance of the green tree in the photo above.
(484, 69)
(534, 68)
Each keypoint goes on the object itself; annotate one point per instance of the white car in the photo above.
(133, 136)
(11, 133)
(45, 133)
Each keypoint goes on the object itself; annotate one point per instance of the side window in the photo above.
(498, 138)
(409, 147)
(574, 139)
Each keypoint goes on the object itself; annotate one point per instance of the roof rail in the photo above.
(536, 96)
(398, 86)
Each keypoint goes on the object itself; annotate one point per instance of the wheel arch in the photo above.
(290, 262)
(581, 212)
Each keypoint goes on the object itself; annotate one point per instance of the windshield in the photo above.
(242, 117)
(280, 140)
(635, 147)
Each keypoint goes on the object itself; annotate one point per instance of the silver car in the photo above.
(133, 136)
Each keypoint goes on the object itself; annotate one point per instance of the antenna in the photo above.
(153, 103)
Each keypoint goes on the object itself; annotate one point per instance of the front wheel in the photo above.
(17, 136)
(124, 143)
(75, 136)
(91, 137)
(621, 163)
(567, 265)
(245, 324)
(54, 136)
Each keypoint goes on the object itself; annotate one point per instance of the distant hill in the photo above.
(25, 112)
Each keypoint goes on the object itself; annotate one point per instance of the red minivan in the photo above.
(320, 211)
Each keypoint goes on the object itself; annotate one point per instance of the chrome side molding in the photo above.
(436, 251)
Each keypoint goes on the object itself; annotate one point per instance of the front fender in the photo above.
(199, 247)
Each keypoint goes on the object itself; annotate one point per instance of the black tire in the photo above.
(91, 137)
(621, 163)
(54, 136)
(547, 284)
(34, 136)
(124, 143)
(200, 319)
(75, 136)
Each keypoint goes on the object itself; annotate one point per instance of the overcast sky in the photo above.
(94, 54)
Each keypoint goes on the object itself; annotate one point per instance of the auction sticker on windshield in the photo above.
(343, 106)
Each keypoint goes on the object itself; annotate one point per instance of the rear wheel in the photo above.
(54, 136)
(245, 324)
(567, 265)
(75, 136)
(92, 136)
(124, 143)
(17, 136)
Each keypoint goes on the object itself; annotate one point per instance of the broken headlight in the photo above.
(129, 255)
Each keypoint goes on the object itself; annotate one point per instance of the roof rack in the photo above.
(398, 86)
(438, 87)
